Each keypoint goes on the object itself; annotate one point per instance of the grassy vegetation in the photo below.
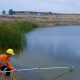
(12, 34)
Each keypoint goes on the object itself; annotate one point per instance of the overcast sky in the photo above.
(55, 6)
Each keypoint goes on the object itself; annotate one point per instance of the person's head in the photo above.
(10, 52)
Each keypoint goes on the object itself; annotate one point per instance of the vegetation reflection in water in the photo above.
(12, 34)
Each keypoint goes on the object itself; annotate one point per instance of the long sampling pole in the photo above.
(48, 68)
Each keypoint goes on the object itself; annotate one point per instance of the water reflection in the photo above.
(63, 42)
(57, 46)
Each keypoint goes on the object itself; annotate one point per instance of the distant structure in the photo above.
(11, 12)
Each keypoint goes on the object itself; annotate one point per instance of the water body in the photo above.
(50, 47)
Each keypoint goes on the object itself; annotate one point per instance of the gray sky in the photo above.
(55, 6)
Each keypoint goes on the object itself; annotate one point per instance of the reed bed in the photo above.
(12, 34)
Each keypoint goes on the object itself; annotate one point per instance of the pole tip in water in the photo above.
(71, 68)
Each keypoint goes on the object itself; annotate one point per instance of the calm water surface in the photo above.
(50, 47)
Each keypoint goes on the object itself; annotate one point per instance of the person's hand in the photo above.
(14, 70)
(0, 72)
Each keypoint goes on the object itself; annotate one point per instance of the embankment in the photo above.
(46, 20)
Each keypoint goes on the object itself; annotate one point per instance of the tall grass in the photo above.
(12, 34)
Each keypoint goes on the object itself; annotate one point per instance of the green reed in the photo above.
(12, 34)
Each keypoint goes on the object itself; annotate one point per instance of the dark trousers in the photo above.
(5, 68)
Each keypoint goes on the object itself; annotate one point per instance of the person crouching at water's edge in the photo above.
(5, 64)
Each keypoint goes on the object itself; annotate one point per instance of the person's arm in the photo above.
(0, 72)
(10, 66)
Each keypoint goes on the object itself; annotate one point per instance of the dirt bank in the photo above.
(49, 20)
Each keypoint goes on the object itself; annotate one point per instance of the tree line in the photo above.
(10, 12)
